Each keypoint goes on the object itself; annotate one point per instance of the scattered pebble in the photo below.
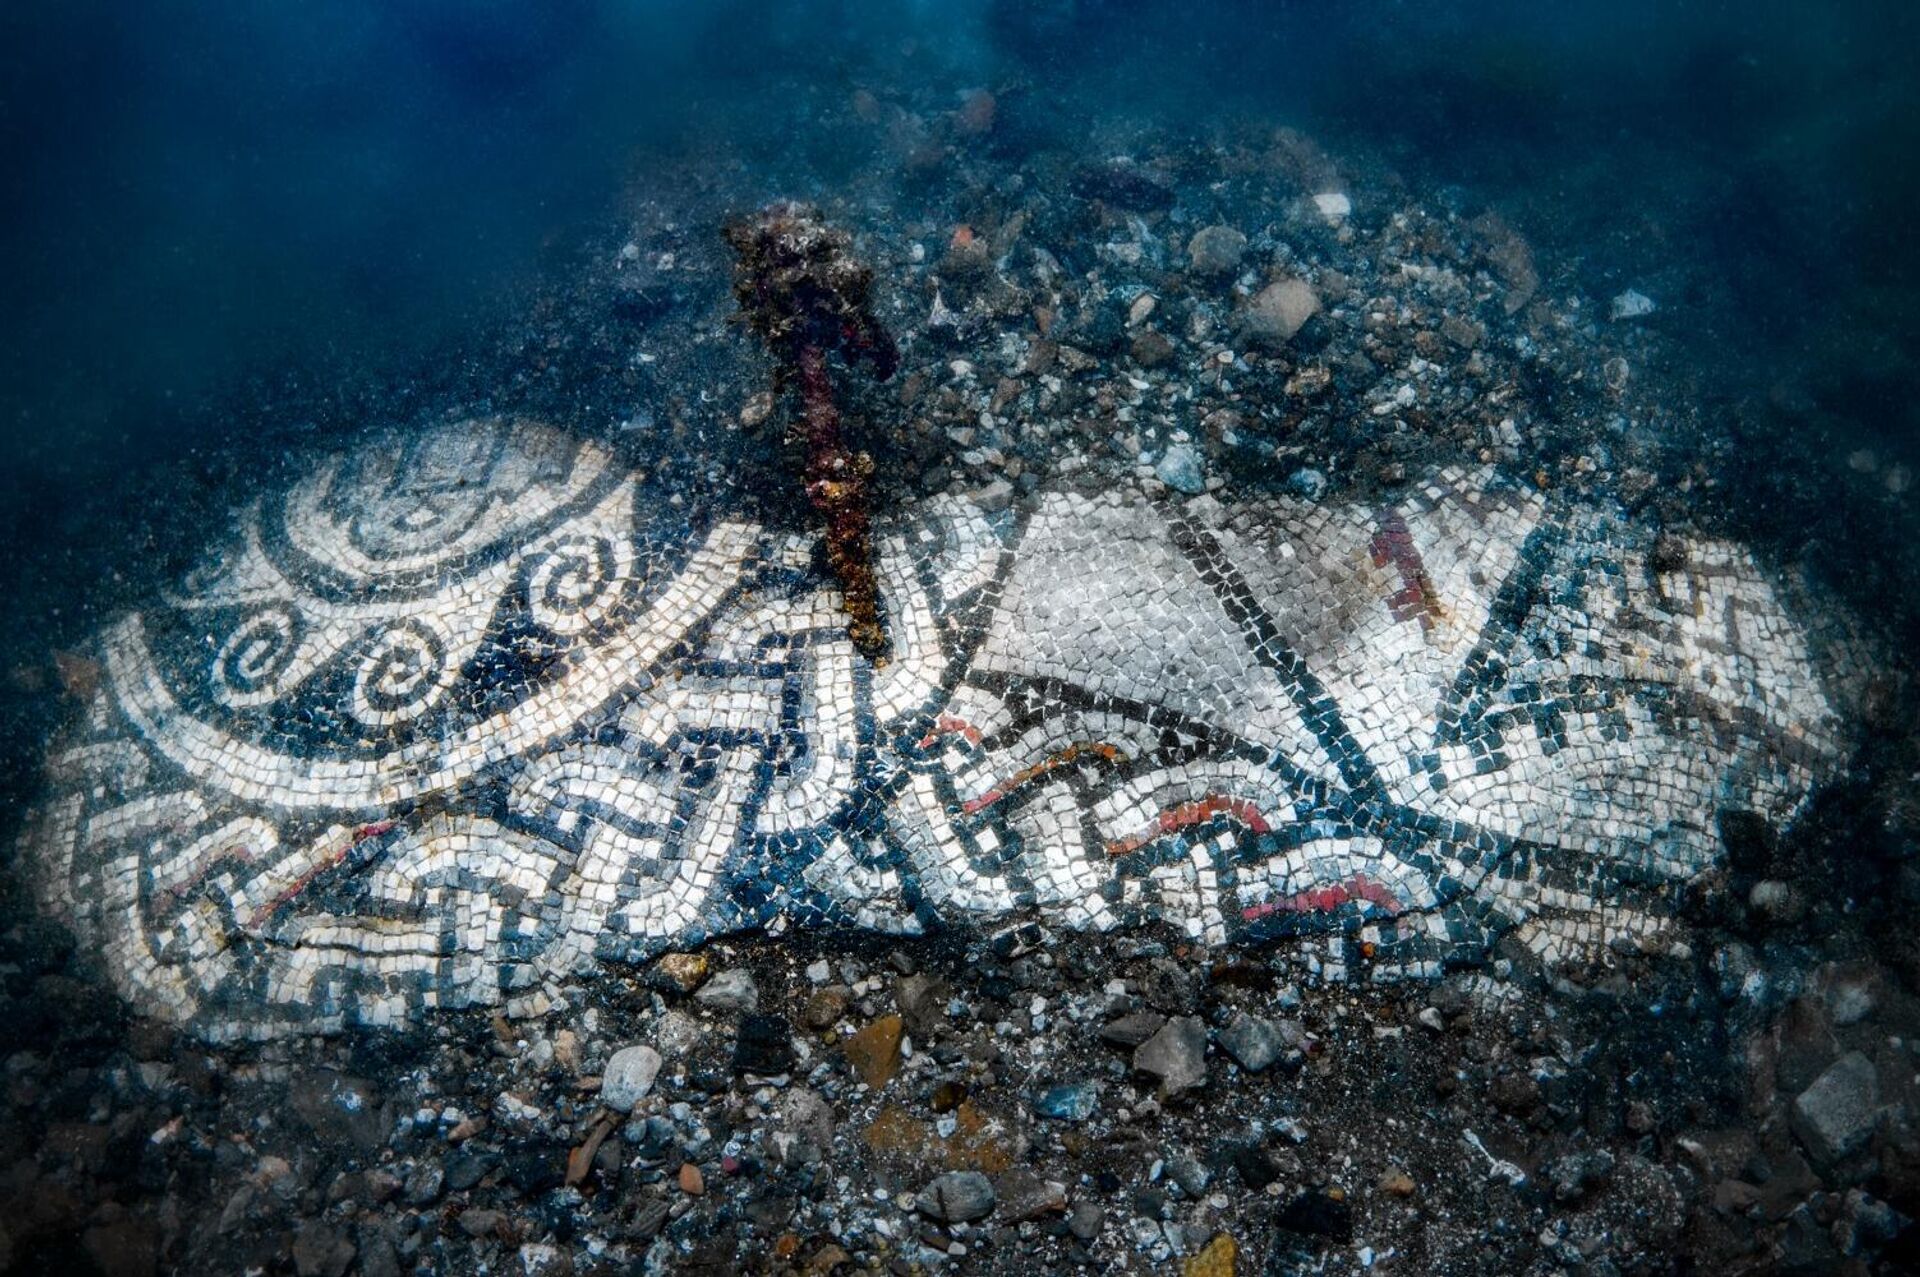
(628, 1077)
(732, 990)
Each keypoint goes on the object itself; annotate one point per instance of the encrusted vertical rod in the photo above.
(801, 292)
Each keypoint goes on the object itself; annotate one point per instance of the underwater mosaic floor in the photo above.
(457, 719)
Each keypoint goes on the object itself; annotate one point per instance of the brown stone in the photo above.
(826, 1006)
(580, 1160)
(1515, 1093)
(893, 1131)
(692, 1182)
(480, 1223)
(566, 1050)
(1151, 349)
(681, 972)
(1216, 1259)
(874, 1052)
(1216, 250)
(826, 1260)
(981, 1141)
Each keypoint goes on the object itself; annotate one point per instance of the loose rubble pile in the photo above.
(1241, 314)
(1040, 1103)
(1248, 313)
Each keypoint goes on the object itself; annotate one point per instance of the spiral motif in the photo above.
(438, 503)
(401, 676)
(251, 666)
(574, 585)
(207, 576)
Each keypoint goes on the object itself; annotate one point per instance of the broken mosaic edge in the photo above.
(457, 719)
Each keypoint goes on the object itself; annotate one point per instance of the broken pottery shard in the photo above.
(458, 719)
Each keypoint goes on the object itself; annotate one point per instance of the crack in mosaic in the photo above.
(456, 720)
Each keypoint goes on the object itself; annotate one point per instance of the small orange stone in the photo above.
(692, 1182)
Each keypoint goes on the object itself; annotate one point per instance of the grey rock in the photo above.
(922, 999)
(1253, 1042)
(730, 991)
(321, 1250)
(649, 1218)
(465, 1167)
(1632, 304)
(1148, 1237)
(629, 1076)
(1132, 1029)
(377, 1255)
(805, 1126)
(1803, 1246)
(1735, 965)
(1024, 1195)
(1176, 1055)
(480, 1223)
(425, 1184)
(1278, 311)
(995, 497)
(1216, 250)
(650, 1137)
(957, 1197)
(678, 1034)
(1835, 1116)
(1180, 468)
(1085, 1220)
(1851, 997)
(1190, 1173)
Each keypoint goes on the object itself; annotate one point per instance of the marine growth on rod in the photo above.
(802, 292)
